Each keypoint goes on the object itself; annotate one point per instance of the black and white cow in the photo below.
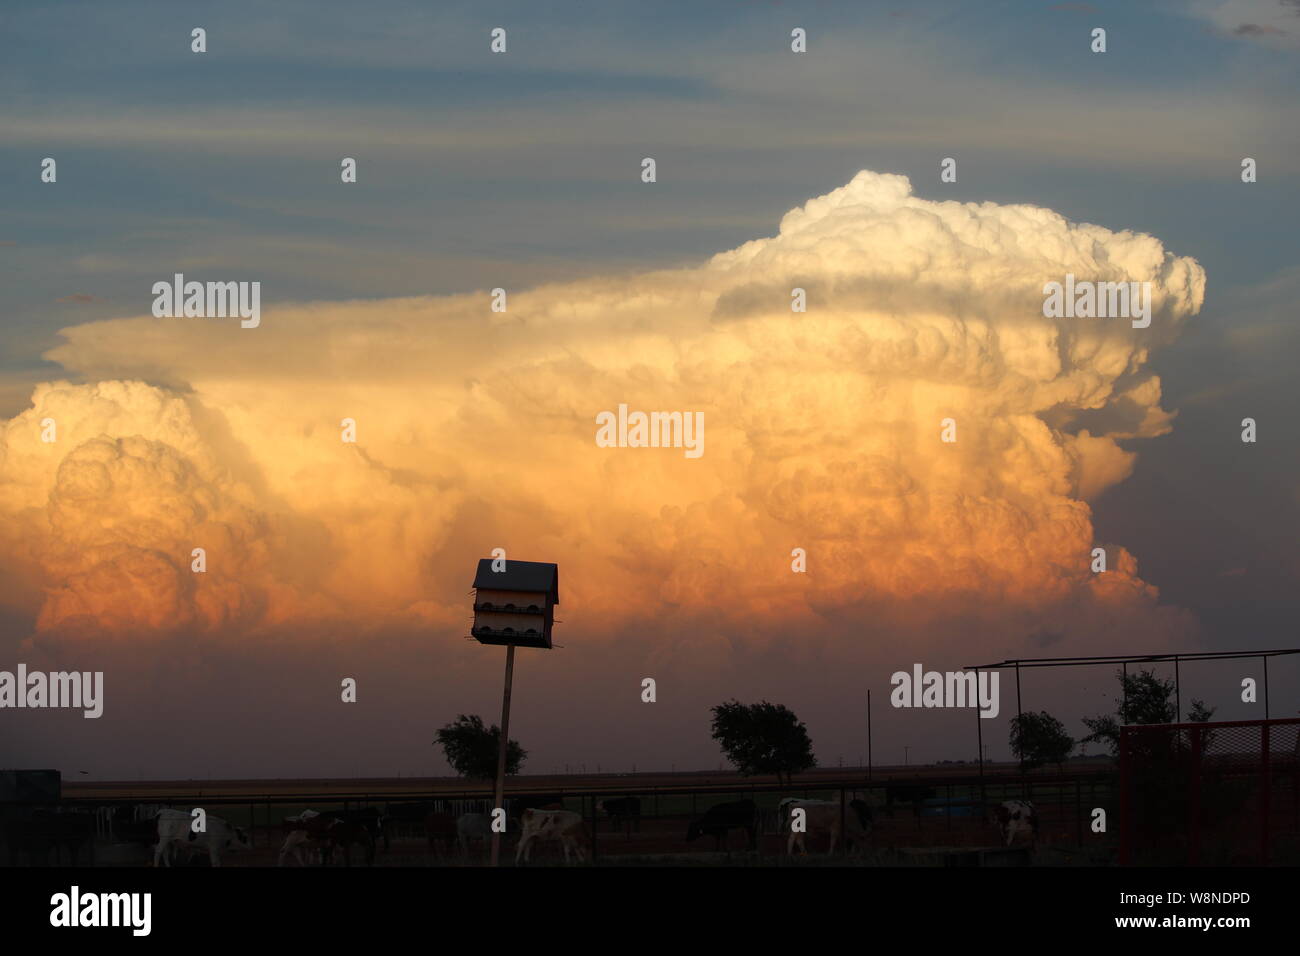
(1016, 816)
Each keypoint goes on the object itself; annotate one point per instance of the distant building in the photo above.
(515, 605)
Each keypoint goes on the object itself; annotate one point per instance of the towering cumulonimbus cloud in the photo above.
(476, 430)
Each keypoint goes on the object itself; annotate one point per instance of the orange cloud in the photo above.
(476, 430)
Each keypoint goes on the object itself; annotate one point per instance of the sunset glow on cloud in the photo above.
(477, 430)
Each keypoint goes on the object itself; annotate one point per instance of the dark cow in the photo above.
(331, 830)
(623, 810)
(353, 827)
(1016, 816)
(723, 817)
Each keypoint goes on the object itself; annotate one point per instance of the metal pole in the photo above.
(1266, 688)
(979, 736)
(1078, 811)
(1019, 714)
(1265, 783)
(1125, 800)
(1124, 715)
(1194, 813)
(1019, 711)
(498, 791)
(844, 833)
(1178, 692)
(868, 735)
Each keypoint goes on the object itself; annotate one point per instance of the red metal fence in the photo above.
(1215, 793)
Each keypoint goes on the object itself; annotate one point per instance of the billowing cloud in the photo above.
(476, 430)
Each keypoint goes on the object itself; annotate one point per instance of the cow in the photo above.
(352, 827)
(473, 826)
(516, 806)
(623, 810)
(723, 817)
(307, 829)
(326, 832)
(174, 829)
(823, 816)
(135, 824)
(562, 825)
(1016, 816)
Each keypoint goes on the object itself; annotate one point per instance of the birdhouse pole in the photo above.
(498, 791)
(514, 605)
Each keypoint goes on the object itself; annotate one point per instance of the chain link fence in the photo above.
(1225, 793)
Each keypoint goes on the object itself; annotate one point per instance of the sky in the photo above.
(476, 429)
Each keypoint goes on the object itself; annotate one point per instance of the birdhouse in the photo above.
(516, 604)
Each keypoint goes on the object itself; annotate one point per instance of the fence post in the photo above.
(1078, 811)
(1194, 811)
(1265, 784)
(1125, 798)
(844, 832)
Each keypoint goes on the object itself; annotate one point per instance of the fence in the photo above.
(1223, 793)
(913, 816)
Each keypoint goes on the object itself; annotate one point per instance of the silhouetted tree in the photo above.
(471, 748)
(763, 738)
(1038, 738)
(1144, 699)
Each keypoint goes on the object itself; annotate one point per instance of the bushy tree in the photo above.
(1144, 699)
(472, 749)
(1038, 738)
(763, 738)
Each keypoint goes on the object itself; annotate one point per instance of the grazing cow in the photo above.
(723, 817)
(349, 827)
(515, 806)
(1016, 816)
(562, 825)
(130, 824)
(823, 816)
(307, 829)
(473, 826)
(174, 830)
(623, 810)
(326, 832)
(440, 828)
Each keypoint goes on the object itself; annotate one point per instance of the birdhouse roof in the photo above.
(532, 576)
